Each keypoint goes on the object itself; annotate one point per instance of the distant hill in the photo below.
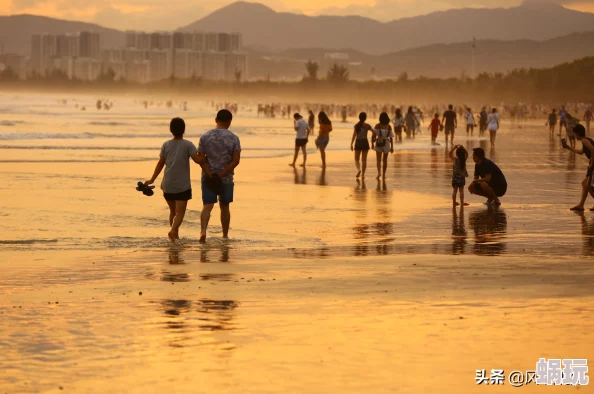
(263, 27)
(16, 31)
(439, 60)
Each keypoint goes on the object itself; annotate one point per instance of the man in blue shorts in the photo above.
(219, 152)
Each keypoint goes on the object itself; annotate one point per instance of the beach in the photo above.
(327, 284)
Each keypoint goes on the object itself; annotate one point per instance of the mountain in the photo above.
(16, 31)
(439, 60)
(265, 28)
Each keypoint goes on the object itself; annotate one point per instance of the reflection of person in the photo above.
(460, 173)
(490, 227)
(361, 144)
(587, 149)
(176, 185)
(459, 233)
(489, 180)
(383, 140)
(219, 153)
(303, 131)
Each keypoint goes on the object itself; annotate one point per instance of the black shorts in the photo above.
(300, 142)
(499, 190)
(183, 196)
(449, 129)
(362, 144)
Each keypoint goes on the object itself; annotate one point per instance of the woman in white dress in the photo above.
(383, 143)
(493, 125)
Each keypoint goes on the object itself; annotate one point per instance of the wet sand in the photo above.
(327, 284)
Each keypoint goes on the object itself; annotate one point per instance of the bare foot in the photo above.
(456, 203)
(301, 165)
(173, 236)
(202, 238)
(292, 165)
(465, 204)
(358, 174)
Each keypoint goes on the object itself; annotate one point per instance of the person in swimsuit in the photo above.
(399, 124)
(587, 149)
(383, 141)
(324, 135)
(361, 144)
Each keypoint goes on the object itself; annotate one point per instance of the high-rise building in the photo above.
(89, 44)
(236, 43)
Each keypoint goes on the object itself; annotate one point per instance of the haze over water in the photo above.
(340, 283)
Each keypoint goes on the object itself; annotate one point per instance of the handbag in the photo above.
(381, 142)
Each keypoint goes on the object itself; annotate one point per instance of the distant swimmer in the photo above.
(303, 131)
(450, 123)
(176, 185)
(383, 141)
(459, 155)
(324, 135)
(219, 153)
(493, 125)
(489, 180)
(587, 149)
(552, 121)
(360, 144)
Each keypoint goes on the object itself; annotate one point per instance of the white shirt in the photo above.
(492, 120)
(301, 126)
(470, 119)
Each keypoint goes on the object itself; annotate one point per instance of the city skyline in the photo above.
(153, 15)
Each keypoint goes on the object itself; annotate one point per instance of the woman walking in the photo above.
(411, 122)
(361, 144)
(383, 140)
(324, 135)
(493, 125)
(399, 124)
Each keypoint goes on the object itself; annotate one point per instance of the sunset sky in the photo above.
(162, 14)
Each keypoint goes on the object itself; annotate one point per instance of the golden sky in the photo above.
(162, 14)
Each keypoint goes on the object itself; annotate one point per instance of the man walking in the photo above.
(219, 153)
(450, 121)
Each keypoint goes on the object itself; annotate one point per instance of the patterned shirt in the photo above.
(218, 145)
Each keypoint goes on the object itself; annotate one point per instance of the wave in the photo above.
(62, 136)
(110, 124)
(28, 241)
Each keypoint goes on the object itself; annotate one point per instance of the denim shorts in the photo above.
(226, 196)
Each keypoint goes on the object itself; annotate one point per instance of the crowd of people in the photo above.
(219, 151)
